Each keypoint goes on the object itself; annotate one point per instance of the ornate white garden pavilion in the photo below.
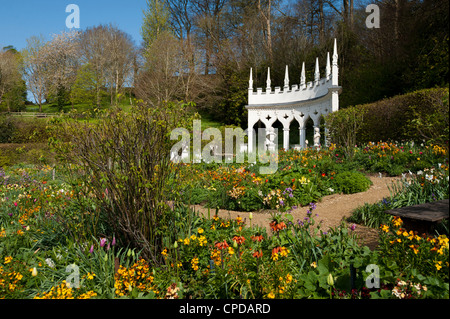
(300, 102)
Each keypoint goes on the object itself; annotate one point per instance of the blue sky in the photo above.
(21, 19)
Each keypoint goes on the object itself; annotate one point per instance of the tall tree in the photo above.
(62, 58)
(35, 69)
(156, 21)
(11, 82)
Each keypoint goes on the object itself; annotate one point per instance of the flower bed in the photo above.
(56, 243)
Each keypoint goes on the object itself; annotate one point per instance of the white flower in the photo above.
(330, 190)
(50, 263)
(419, 172)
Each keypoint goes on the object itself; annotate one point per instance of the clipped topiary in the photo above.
(352, 182)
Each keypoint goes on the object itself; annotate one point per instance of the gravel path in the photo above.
(331, 210)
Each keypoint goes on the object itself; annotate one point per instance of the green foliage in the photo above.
(426, 186)
(233, 97)
(130, 184)
(421, 115)
(344, 127)
(352, 182)
(22, 130)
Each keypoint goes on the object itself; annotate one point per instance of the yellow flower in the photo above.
(314, 264)
(397, 221)
(8, 260)
(288, 278)
(271, 295)
(90, 276)
(186, 241)
(438, 265)
(202, 240)
(200, 231)
(384, 228)
(194, 263)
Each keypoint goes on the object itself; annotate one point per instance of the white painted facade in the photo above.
(297, 102)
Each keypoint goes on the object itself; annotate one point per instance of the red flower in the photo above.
(239, 239)
(323, 174)
(257, 238)
(277, 227)
(222, 245)
(257, 254)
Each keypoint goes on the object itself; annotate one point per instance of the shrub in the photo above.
(414, 116)
(352, 182)
(344, 127)
(20, 130)
(124, 158)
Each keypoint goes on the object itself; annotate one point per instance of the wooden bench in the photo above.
(423, 217)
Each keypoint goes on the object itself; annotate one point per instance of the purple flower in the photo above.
(290, 195)
(102, 242)
(308, 212)
(353, 227)
(92, 249)
(281, 202)
(312, 206)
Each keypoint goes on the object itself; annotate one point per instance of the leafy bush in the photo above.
(20, 130)
(352, 182)
(123, 157)
(418, 116)
(344, 127)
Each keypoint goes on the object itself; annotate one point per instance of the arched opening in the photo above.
(259, 128)
(322, 131)
(294, 136)
(309, 131)
(278, 126)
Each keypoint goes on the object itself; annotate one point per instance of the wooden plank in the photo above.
(432, 212)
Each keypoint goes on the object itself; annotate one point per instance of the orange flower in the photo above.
(277, 227)
(257, 238)
(222, 245)
(239, 239)
(257, 254)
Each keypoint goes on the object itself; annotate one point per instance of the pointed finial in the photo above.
(334, 68)
(316, 72)
(250, 82)
(335, 54)
(328, 67)
(268, 83)
(286, 78)
(303, 76)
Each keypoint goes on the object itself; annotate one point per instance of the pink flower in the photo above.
(15, 204)
(92, 249)
(102, 242)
